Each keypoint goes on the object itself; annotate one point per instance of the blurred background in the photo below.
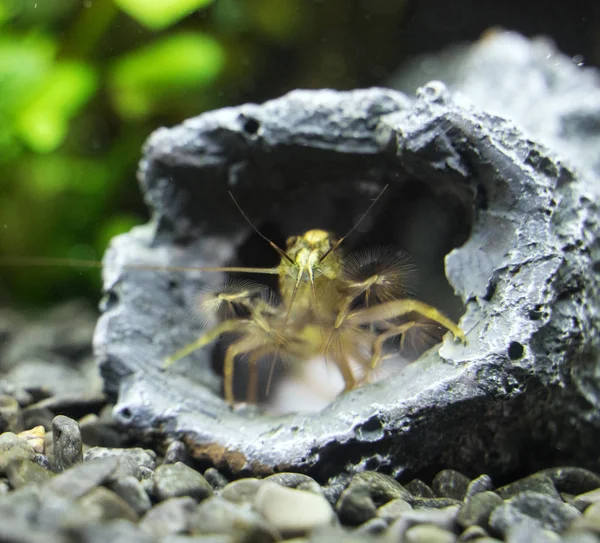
(84, 82)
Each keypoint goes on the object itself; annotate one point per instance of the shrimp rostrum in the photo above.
(343, 309)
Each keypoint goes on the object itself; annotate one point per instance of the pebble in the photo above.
(67, 443)
(133, 492)
(480, 484)
(215, 478)
(11, 419)
(12, 449)
(23, 472)
(552, 514)
(82, 478)
(393, 509)
(450, 483)
(215, 515)
(35, 437)
(477, 509)
(171, 516)
(142, 457)
(366, 492)
(538, 482)
(528, 530)
(103, 504)
(175, 480)
(472, 533)
(176, 452)
(243, 490)
(442, 518)
(427, 533)
(572, 479)
(292, 511)
(296, 480)
(420, 489)
(582, 501)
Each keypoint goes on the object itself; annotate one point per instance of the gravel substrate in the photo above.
(51, 490)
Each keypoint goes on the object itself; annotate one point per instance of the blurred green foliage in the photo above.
(84, 82)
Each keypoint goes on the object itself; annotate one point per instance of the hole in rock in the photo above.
(515, 350)
(423, 221)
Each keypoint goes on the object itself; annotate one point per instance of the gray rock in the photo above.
(587, 498)
(103, 504)
(450, 483)
(242, 490)
(478, 508)
(142, 457)
(393, 510)
(133, 492)
(538, 482)
(215, 478)
(66, 438)
(176, 480)
(11, 419)
(373, 526)
(472, 533)
(295, 480)
(291, 511)
(419, 489)
(444, 519)
(13, 449)
(216, 515)
(528, 530)
(115, 531)
(433, 503)
(572, 479)
(23, 472)
(426, 533)
(467, 185)
(550, 513)
(82, 478)
(171, 516)
(365, 493)
(176, 452)
(479, 484)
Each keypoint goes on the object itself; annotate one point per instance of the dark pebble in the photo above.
(366, 492)
(296, 480)
(215, 478)
(480, 484)
(419, 489)
(433, 503)
(176, 452)
(450, 483)
(67, 443)
(176, 480)
(573, 480)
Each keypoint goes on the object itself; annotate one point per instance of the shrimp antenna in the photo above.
(339, 242)
(272, 244)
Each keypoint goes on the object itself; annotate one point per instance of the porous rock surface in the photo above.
(520, 233)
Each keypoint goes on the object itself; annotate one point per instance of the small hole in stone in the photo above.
(126, 413)
(251, 126)
(515, 350)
